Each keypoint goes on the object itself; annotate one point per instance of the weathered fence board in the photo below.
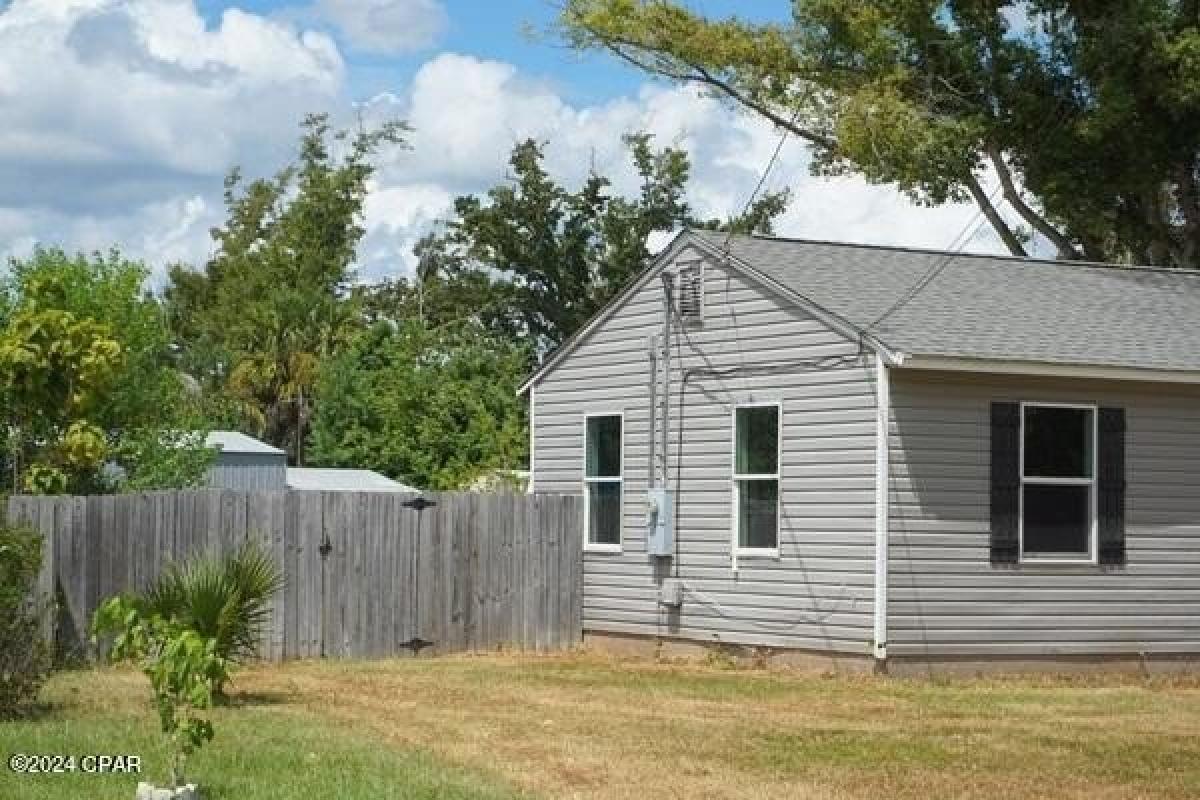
(367, 576)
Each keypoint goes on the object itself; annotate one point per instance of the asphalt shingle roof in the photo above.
(991, 307)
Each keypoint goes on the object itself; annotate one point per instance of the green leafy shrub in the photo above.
(149, 459)
(226, 599)
(201, 617)
(436, 408)
(184, 669)
(24, 656)
(94, 400)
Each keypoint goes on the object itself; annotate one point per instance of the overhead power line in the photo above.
(1051, 124)
(762, 179)
(953, 249)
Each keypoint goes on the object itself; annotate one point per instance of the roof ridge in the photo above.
(1184, 271)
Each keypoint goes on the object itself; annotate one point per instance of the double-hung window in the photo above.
(1058, 482)
(602, 480)
(756, 478)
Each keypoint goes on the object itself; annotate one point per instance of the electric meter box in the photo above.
(660, 522)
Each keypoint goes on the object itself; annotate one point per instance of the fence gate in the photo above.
(368, 574)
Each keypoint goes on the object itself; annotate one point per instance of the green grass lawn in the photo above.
(587, 727)
(264, 748)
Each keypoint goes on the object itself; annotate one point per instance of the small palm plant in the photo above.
(225, 599)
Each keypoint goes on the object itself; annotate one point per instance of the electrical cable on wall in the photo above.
(742, 368)
(688, 374)
(726, 246)
(807, 618)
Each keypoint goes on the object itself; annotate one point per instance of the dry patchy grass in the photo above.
(584, 726)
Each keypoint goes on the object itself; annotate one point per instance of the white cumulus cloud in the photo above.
(385, 26)
(467, 113)
(122, 116)
(116, 110)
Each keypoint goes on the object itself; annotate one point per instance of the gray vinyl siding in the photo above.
(248, 471)
(818, 594)
(946, 599)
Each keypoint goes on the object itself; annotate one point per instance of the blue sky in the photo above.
(513, 31)
(123, 116)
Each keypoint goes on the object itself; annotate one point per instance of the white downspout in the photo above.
(883, 404)
(532, 441)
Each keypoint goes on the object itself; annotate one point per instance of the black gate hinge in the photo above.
(419, 503)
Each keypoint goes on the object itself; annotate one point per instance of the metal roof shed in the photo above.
(342, 480)
(244, 462)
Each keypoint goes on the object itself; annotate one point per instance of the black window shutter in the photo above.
(1111, 486)
(1006, 481)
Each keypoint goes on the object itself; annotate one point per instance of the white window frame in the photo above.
(1093, 522)
(735, 489)
(588, 544)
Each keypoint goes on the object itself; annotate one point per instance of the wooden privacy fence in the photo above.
(367, 574)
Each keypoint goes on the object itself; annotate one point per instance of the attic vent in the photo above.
(690, 299)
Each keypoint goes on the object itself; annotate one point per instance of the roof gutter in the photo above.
(1047, 369)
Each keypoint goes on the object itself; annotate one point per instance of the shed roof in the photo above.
(933, 303)
(342, 480)
(235, 442)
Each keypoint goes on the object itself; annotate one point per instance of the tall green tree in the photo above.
(87, 379)
(274, 300)
(534, 260)
(436, 407)
(1088, 114)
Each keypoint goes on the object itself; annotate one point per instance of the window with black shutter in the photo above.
(1058, 483)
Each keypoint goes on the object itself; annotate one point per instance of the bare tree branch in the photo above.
(699, 75)
(819, 139)
(993, 217)
(1066, 250)
(702, 76)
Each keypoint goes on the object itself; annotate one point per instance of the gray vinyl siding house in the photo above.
(911, 525)
(944, 596)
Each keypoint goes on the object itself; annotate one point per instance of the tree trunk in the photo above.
(1188, 197)
(993, 217)
(1066, 250)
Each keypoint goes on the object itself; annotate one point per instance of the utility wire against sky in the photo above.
(728, 243)
(955, 247)
(762, 179)
(941, 262)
